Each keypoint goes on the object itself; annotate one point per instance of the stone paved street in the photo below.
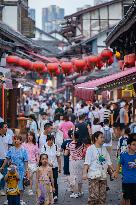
(113, 196)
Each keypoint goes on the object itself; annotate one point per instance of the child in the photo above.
(33, 157)
(18, 155)
(128, 163)
(122, 143)
(12, 179)
(44, 182)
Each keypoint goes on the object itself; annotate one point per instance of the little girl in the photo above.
(33, 157)
(18, 156)
(44, 182)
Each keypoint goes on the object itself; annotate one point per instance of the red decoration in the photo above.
(79, 65)
(53, 68)
(129, 60)
(39, 66)
(67, 67)
(110, 61)
(93, 60)
(100, 64)
(24, 63)
(12, 60)
(106, 54)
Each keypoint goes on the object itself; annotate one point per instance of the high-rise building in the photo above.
(31, 14)
(52, 17)
(96, 2)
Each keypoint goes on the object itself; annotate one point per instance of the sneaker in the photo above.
(2, 193)
(73, 195)
(30, 192)
(55, 198)
(22, 202)
(80, 194)
(6, 203)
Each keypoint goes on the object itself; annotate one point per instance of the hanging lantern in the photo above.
(110, 61)
(79, 66)
(93, 60)
(66, 67)
(88, 66)
(99, 65)
(131, 59)
(13, 60)
(53, 68)
(106, 54)
(39, 66)
(24, 63)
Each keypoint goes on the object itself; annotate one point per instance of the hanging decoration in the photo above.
(129, 60)
(24, 63)
(79, 65)
(12, 60)
(53, 68)
(67, 67)
(106, 54)
(38, 66)
(93, 60)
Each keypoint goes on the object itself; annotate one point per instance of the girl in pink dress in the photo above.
(33, 157)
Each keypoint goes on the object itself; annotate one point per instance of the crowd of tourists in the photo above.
(75, 142)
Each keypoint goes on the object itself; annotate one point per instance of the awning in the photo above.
(87, 90)
(44, 58)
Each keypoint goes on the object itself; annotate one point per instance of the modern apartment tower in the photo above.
(52, 17)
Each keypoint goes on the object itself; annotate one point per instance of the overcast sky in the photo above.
(69, 5)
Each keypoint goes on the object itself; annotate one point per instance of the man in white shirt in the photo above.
(97, 161)
(4, 145)
(43, 137)
(54, 160)
(43, 120)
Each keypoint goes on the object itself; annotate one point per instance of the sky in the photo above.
(69, 6)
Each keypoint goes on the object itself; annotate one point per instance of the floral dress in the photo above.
(18, 156)
(44, 189)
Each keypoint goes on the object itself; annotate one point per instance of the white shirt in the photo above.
(95, 114)
(10, 135)
(42, 140)
(96, 128)
(41, 125)
(101, 114)
(4, 142)
(52, 152)
(92, 159)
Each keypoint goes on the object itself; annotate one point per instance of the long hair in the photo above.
(32, 116)
(77, 138)
(33, 135)
(40, 163)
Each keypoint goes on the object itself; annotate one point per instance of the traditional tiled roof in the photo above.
(7, 30)
(125, 24)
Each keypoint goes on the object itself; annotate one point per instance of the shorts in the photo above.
(129, 191)
(13, 200)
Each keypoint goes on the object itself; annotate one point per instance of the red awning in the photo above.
(86, 90)
(44, 58)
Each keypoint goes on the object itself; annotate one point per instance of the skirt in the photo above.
(76, 171)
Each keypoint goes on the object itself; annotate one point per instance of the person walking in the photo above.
(75, 151)
(97, 161)
(44, 182)
(54, 161)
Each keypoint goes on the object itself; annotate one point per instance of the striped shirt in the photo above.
(107, 114)
(75, 153)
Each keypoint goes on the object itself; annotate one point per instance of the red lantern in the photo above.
(93, 60)
(129, 60)
(24, 63)
(100, 64)
(79, 65)
(53, 68)
(13, 60)
(66, 67)
(106, 54)
(110, 61)
(39, 66)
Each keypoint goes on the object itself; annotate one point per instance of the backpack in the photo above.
(107, 135)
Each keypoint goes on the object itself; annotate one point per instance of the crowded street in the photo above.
(68, 102)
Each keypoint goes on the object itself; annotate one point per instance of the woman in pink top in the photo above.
(33, 157)
(66, 126)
